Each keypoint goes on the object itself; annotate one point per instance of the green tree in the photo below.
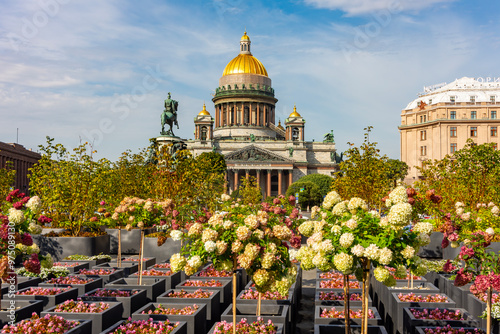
(396, 170)
(324, 182)
(7, 177)
(363, 173)
(214, 162)
(309, 193)
(250, 191)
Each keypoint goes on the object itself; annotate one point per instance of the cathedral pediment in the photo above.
(254, 153)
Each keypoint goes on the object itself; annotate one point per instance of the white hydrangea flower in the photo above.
(358, 250)
(357, 203)
(400, 214)
(372, 252)
(490, 231)
(16, 216)
(326, 246)
(423, 227)
(459, 205)
(374, 213)
(459, 211)
(385, 256)
(424, 239)
(225, 197)
(351, 223)
(210, 246)
(176, 235)
(34, 228)
(195, 262)
(495, 210)
(343, 262)
(346, 239)
(331, 199)
(292, 254)
(408, 252)
(340, 208)
(336, 229)
(34, 204)
(398, 195)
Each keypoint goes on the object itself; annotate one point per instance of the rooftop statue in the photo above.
(329, 138)
(169, 116)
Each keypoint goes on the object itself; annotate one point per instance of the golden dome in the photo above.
(245, 62)
(245, 37)
(204, 112)
(280, 126)
(295, 113)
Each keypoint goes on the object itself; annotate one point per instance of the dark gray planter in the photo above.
(170, 280)
(450, 253)
(318, 285)
(396, 311)
(60, 247)
(17, 310)
(288, 301)
(82, 288)
(130, 304)
(163, 252)
(85, 327)
(22, 282)
(410, 322)
(90, 262)
(319, 302)
(73, 267)
(279, 329)
(106, 278)
(433, 249)
(196, 322)
(146, 261)
(127, 267)
(130, 240)
(340, 329)
(212, 303)
(225, 290)
(180, 329)
(100, 321)
(467, 330)
(278, 314)
(476, 307)
(377, 321)
(153, 286)
(49, 301)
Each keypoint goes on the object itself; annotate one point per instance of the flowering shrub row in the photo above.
(38, 325)
(160, 309)
(340, 313)
(194, 294)
(72, 306)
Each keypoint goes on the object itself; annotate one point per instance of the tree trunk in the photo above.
(347, 315)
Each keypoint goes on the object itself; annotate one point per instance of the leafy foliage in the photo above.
(7, 177)
(309, 196)
(250, 191)
(324, 182)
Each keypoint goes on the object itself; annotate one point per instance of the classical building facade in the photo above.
(243, 128)
(442, 119)
(15, 156)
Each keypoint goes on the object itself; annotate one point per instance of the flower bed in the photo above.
(336, 298)
(336, 315)
(146, 327)
(81, 307)
(84, 284)
(46, 325)
(412, 297)
(72, 266)
(131, 299)
(449, 330)
(223, 286)
(268, 295)
(198, 283)
(210, 298)
(107, 274)
(171, 279)
(185, 294)
(164, 265)
(210, 271)
(154, 286)
(414, 317)
(340, 313)
(437, 314)
(243, 326)
(96, 271)
(338, 284)
(50, 297)
(154, 272)
(42, 291)
(160, 309)
(194, 315)
(16, 310)
(333, 275)
(127, 267)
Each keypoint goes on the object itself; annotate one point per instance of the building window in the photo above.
(430, 101)
(295, 134)
(423, 118)
(246, 115)
(453, 115)
(453, 147)
(492, 98)
(453, 131)
(495, 146)
(423, 135)
(493, 114)
(473, 131)
(472, 99)
(473, 114)
(452, 99)
(493, 131)
(423, 150)
(204, 133)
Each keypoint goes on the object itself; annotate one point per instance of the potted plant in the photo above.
(84, 284)
(147, 327)
(131, 299)
(50, 297)
(46, 325)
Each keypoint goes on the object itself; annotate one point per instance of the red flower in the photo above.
(411, 192)
(27, 240)
(445, 243)
(448, 266)
(295, 241)
(411, 200)
(291, 200)
(463, 277)
(33, 264)
(429, 193)
(276, 201)
(17, 205)
(466, 253)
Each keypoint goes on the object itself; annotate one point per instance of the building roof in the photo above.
(245, 62)
(461, 89)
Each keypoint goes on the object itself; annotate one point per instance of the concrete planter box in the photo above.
(225, 290)
(170, 280)
(278, 314)
(410, 322)
(319, 302)
(396, 311)
(340, 329)
(128, 267)
(377, 321)
(450, 253)
(433, 249)
(130, 304)
(90, 262)
(22, 310)
(180, 329)
(22, 282)
(49, 301)
(146, 261)
(163, 252)
(279, 329)
(118, 273)
(60, 247)
(85, 327)
(476, 307)
(130, 240)
(73, 267)
(196, 322)
(319, 288)
(197, 276)
(100, 321)
(288, 301)
(421, 330)
(153, 286)
(82, 288)
(212, 303)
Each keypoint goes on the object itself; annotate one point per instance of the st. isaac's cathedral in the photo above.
(243, 129)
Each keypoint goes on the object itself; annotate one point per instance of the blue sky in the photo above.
(99, 70)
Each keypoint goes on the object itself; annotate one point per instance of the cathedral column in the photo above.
(226, 190)
(290, 177)
(258, 177)
(268, 185)
(258, 114)
(235, 171)
(280, 181)
(265, 115)
(247, 173)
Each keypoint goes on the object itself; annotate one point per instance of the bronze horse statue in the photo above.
(169, 116)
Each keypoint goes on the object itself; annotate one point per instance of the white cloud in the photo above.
(360, 7)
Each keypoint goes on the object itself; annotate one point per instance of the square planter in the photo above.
(49, 301)
(476, 307)
(318, 320)
(421, 330)
(130, 240)
(212, 302)
(225, 290)
(130, 304)
(204, 276)
(60, 247)
(170, 280)
(127, 267)
(433, 249)
(180, 329)
(340, 329)
(17, 310)
(288, 301)
(196, 322)
(450, 253)
(410, 322)
(100, 321)
(153, 286)
(113, 275)
(338, 302)
(72, 267)
(396, 310)
(85, 327)
(353, 285)
(163, 252)
(90, 262)
(279, 329)
(82, 288)
(22, 282)
(146, 261)
(278, 314)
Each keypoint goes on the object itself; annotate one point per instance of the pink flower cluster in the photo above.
(37, 291)
(72, 306)
(211, 272)
(154, 272)
(96, 271)
(452, 330)
(334, 313)
(194, 294)
(335, 275)
(145, 327)
(437, 314)
(268, 295)
(70, 280)
(495, 298)
(202, 283)
(338, 296)
(112, 293)
(483, 282)
(38, 325)
(66, 264)
(337, 284)
(135, 259)
(412, 297)
(244, 327)
(162, 265)
(188, 310)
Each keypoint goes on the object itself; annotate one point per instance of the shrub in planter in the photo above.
(153, 286)
(418, 317)
(210, 298)
(243, 326)
(131, 299)
(46, 325)
(50, 297)
(147, 327)
(13, 310)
